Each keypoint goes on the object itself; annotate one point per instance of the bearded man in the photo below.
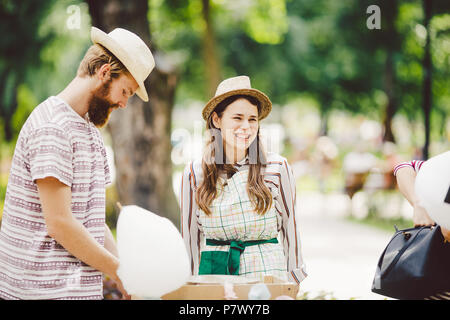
(54, 242)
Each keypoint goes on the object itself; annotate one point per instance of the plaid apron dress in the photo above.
(233, 218)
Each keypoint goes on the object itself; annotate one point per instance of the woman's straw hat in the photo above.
(236, 86)
(131, 51)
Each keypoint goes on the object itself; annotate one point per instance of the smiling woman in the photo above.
(235, 124)
(238, 200)
(237, 118)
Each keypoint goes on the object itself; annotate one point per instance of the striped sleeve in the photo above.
(291, 237)
(415, 165)
(50, 154)
(106, 166)
(189, 219)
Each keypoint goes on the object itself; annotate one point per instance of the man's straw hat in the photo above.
(131, 51)
(236, 86)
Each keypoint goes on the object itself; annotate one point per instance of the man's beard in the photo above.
(100, 107)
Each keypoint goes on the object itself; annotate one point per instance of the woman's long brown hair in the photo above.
(213, 164)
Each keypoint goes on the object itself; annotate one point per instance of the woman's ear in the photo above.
(216, 120)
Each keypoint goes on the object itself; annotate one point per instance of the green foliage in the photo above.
(20, 21)
(112, 211)
(265, 21)
(62, 54)
(36, 48)
(19, 44)
(289, 48)
(3, 184)
(386, 224)
(322, 48)
(26, 101)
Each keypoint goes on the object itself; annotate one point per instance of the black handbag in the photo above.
(415, 265)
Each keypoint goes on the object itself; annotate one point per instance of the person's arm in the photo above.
(406, 177)
(110, 242)
(62, 226)
(290, 235)
(446, 234)
(110, 245)
(189, 224)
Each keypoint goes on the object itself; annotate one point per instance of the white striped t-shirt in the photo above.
(55, 141)
(414, 164)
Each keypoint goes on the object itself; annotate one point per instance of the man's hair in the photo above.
(95, 57)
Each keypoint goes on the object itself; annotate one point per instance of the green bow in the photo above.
(236, 249)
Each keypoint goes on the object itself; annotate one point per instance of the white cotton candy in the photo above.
(229, 293)
(153, 257)
(259, 291)
(432, 185)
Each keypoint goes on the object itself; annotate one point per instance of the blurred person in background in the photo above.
(357, 165)
(323, 159)
(391, 159)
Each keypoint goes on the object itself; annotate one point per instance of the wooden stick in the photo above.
(119, 205)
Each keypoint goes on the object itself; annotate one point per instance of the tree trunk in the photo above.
(427, 66)
(389, 70)
(391, 106)
(209, 51)
(324, 118)
(141, 133)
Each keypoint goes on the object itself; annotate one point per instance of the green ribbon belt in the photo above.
(220, 262)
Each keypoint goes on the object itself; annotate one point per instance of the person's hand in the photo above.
(446, 233)
(421, 217)
(125, 295)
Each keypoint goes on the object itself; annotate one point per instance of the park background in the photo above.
(352, 96)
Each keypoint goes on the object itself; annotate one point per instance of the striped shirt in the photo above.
(416, 165)
(279, 178)
(55, 141)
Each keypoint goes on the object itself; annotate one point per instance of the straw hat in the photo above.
(131, 51)
(235, 86)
